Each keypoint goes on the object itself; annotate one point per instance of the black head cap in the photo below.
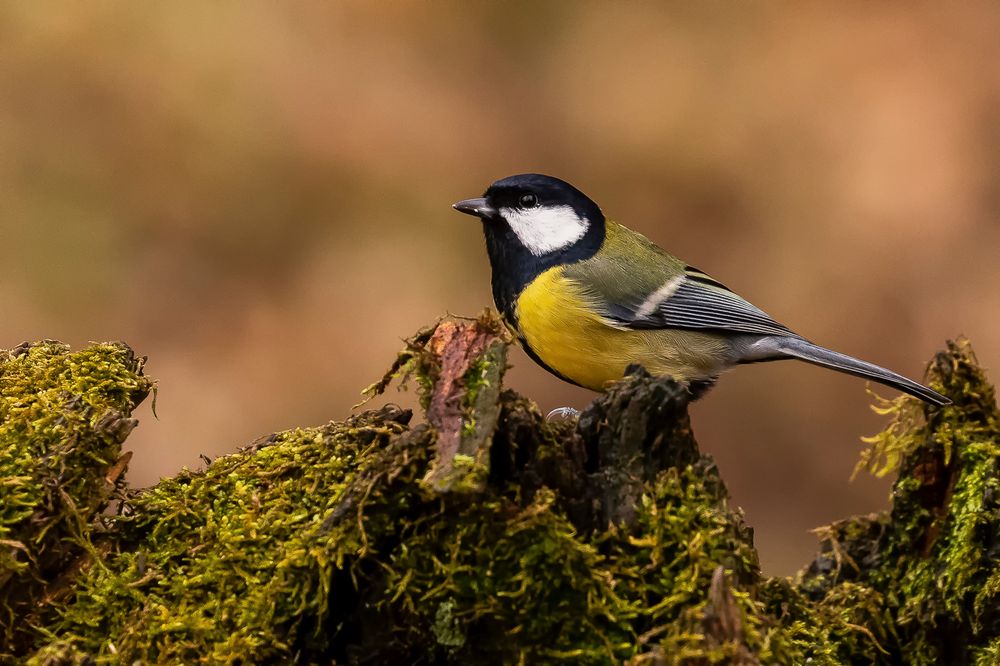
(535, 189)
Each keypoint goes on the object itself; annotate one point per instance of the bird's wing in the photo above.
(635, 285)
(696, 301)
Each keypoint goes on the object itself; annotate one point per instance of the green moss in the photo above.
(63, 417)
(946, 517)
(888, 448)
(988, 655)
(611, 540)
(488, 580)
(412, 362)
(271, 526)
(850, 625)
(466, 474)
(934, 557)
(476, 378)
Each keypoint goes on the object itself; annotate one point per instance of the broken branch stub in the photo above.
(469, 359)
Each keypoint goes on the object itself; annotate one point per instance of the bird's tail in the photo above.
(807, 351)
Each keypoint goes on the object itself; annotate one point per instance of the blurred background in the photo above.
(257, 196)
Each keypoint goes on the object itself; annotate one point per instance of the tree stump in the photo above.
(484, 534)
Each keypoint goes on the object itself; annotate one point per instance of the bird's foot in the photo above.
(564, 413)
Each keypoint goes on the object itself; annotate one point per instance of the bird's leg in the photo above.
(566, 413)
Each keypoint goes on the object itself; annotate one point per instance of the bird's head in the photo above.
(542, 214)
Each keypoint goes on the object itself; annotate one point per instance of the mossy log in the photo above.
(482, 535)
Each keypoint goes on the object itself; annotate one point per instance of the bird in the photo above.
(587, 298)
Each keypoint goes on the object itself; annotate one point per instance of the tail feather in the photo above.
(827, 358)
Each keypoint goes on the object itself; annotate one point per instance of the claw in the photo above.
(566, 413)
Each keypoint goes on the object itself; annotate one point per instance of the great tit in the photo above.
(587, 298)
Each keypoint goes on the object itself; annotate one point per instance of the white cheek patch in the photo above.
(545, 229)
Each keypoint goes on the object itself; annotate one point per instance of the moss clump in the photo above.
(63, 418)
(934, 558)
(326, 543)
(608, 540)
(251, 556)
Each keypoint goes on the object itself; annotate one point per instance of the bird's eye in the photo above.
(528, 201)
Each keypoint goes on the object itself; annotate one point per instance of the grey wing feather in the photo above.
(696, 305)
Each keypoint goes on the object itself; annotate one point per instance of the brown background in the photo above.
(257, 197)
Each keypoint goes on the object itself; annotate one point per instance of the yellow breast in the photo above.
(556, 322)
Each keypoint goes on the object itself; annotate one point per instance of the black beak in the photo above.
(478, 207)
